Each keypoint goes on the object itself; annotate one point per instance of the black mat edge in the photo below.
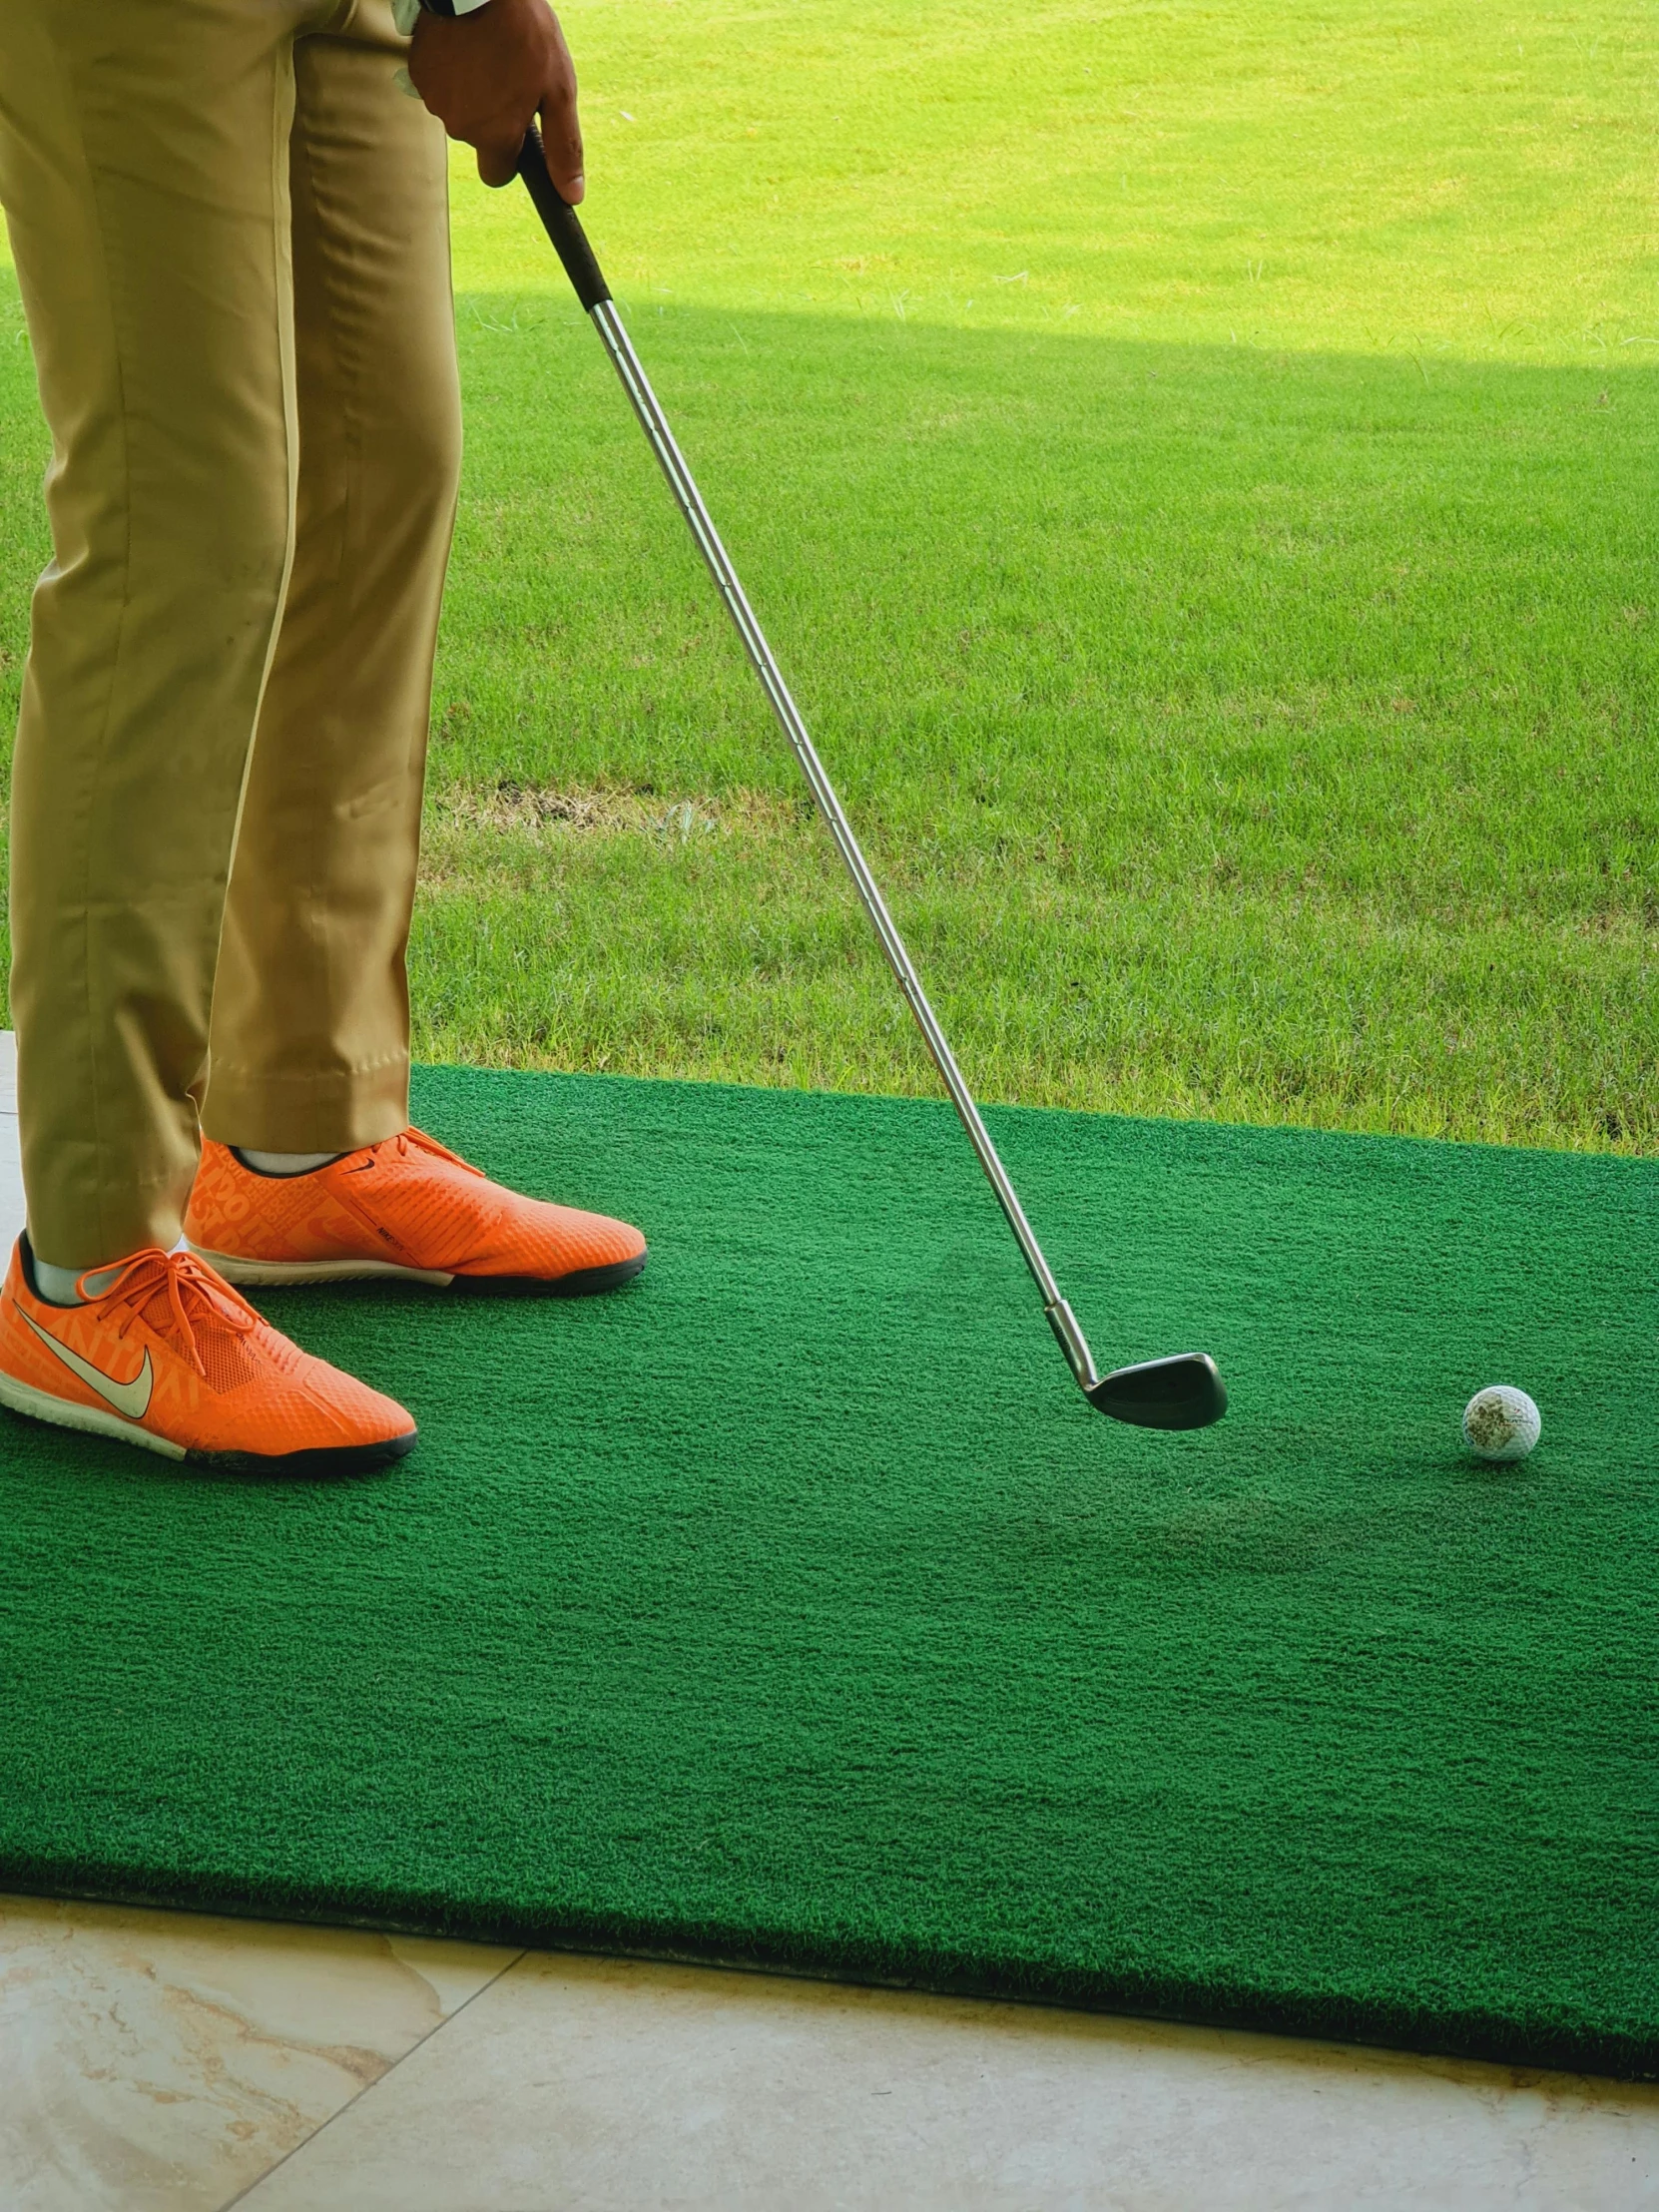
(1537, 2048)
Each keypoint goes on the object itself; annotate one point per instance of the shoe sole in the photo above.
(93, 1420)
(275, 1275)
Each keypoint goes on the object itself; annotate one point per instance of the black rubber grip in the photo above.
(558, 219)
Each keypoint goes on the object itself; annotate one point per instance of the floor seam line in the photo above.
(352, 2101)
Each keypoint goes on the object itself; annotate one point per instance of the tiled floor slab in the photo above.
(162, 2062)
(617, 2086)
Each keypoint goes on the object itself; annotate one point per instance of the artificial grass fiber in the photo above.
(791, 1607)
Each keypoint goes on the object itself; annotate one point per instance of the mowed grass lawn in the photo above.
(1198, 470)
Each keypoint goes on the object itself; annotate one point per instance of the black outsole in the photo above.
(584, 1283)
(341, 1459)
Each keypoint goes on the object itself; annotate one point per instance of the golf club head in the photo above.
(1185, 1391)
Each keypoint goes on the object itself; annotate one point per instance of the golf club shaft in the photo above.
(570, 242)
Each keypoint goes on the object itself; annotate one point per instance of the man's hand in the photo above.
(487, 75)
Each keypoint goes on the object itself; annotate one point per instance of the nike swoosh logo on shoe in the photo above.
(131, 1399)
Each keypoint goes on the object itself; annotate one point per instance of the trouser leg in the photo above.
(144, 152)
(310, 1047)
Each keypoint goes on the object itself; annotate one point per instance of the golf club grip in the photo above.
(558, 218)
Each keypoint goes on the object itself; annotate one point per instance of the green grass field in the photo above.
(1197, 470)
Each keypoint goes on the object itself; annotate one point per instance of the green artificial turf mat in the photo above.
(791, 1608)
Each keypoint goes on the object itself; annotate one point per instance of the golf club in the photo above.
(1184, 1391)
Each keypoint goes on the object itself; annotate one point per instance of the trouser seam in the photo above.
(85, 798)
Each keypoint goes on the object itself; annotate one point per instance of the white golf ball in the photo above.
(1500, 1422)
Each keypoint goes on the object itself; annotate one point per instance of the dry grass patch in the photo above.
(474, 832)
(544, 810)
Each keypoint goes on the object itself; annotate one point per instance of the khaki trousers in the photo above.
(231, 229)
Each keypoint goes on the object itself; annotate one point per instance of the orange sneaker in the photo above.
(170, 1358)
(405, 1208)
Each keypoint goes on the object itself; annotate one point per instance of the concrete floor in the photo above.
(172, 2062)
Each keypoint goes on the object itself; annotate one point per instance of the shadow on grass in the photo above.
(992, 556)
(1240, 733)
